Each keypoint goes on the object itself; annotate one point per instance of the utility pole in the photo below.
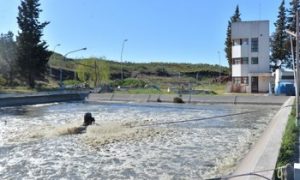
(123, 44)
(219, 66)
(297, 67)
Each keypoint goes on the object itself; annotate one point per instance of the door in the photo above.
(254, 84)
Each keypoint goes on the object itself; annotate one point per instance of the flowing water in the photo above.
(38, 142)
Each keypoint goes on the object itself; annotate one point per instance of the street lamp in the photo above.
(123, 44)
(61, 78)
(53, 54)
(219, 66)
(296, 70)
(55, 47)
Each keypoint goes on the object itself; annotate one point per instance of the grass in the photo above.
(289, 139)
(218, 88)
(16, 89)
(142, 91)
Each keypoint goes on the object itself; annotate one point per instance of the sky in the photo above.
(183, 31)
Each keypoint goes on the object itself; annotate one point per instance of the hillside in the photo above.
(158, 69)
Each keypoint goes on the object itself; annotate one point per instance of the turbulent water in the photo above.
(126, 142)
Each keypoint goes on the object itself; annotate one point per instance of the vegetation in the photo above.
(32, 54)
(178, 100)
(214, 88)
(7, 58)
(228, 42)
(93, 70)
(291, 20)
(288, 144)
(280, 42)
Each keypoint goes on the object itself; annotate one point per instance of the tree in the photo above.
(291, 20)
(32, 56)
(279, 43)
(228, 41)
(93, 70)
(8, 56)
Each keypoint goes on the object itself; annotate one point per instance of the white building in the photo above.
(250, 56)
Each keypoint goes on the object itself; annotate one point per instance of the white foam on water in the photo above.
(117, 147)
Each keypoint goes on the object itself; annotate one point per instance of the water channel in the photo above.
(37, 141)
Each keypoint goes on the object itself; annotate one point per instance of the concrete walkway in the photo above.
(263, 156)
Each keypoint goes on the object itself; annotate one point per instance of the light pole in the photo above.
(219, 66)
(123, 44)
(61, 78)
(53, 54)
(296, 69)
(55, 48)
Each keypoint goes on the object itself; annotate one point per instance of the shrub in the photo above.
(131, 82)
(2, 81)
(71, 82)
(289, 139)
(178, 100)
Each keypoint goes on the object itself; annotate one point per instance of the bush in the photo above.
(289, 139)
(71, 82)
(178, 100)
(135, 83)
(2, 81)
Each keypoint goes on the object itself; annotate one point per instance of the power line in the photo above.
(198, 119)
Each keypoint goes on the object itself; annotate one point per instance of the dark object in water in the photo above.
(88, 119)
(77, 130)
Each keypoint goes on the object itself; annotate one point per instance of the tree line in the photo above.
(24, 58)
(281, 54)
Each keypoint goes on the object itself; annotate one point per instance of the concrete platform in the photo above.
(263, 156)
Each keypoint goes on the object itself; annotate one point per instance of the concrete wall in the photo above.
(109, 97)
(40, 98)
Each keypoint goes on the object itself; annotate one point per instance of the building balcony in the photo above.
(240, 51)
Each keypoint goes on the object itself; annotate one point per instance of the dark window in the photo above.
(254, 44)
(236, 80)
(245, 60)
(244, 41)
(245, 80)
(287, 77)
(254, 60)
(236, 61)
(236, 42)
(241, 80)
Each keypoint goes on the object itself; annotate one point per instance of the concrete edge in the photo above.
(40, 99)
(263, 155)
(247, 100)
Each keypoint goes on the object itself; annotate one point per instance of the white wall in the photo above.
(248, 30)
(263, 83)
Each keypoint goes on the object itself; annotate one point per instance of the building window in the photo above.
(245, 60)
(245, 80)
(236, 42)
(287, 77)
(236, 80)
(254, 44)
(254, 60)
(241, 80)
(244, 41)
(236, 61)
